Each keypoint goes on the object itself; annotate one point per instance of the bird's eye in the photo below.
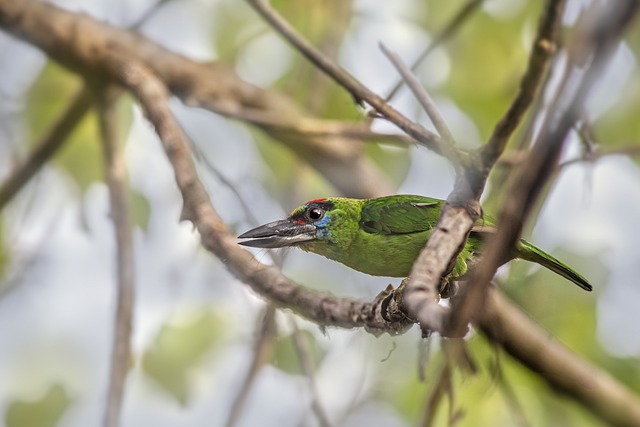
(315, 214)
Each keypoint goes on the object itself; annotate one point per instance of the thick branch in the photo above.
(323, 309)
(593, 49)
(215, 87)
(532, 346)
(462, 210)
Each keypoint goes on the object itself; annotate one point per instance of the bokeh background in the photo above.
(195, 325)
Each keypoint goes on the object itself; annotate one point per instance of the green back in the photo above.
(400, 214)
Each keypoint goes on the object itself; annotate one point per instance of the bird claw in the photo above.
(448, 289)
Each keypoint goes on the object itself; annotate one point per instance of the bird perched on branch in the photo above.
(383, 236)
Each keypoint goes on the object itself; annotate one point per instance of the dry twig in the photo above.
(465, 12)
(116, 178)
(359, 92)
(50, 143)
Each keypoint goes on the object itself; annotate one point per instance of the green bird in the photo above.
(383, 236)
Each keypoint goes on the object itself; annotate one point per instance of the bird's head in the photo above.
(314, 222)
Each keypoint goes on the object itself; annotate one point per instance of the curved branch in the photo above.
(212, 86)
(321, 308)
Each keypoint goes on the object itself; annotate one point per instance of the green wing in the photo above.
(400, 214)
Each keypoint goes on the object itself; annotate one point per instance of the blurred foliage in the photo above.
(140, 208)
(81, 157)
(178, 349)
(287, 357)
(324, 24)
(502, 393)
(44, 412)
(489, 56)
(4, 255)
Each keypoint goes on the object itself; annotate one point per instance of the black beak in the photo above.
(279, 234)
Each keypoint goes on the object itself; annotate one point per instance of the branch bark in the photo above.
(527, 342)
(212, 86)
(266, 280)
(590, 51)
(116, 177)
(359, 91)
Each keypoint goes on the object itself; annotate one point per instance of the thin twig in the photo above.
(116, 178)
(343, 78)
(266, 280)
(542, 51)
(262, 353)
(442, 387)
(599, 153)
(58, 134)
(448, 141)
(148, 14)
(278, 258)
(49, 145)
(447, 32)
(306, 360)
(212, 86)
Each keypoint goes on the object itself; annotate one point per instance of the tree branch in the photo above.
(463, 209)
(589, 52)
(267, 281)
(465, 12)
(448, 141)
(120, 57)
(47, 147)
(214, 87)
(359, 92)
(532, 346)
(116, 178)
(262, 352)
(542, 51)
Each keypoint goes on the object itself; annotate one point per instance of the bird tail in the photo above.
(531, 253)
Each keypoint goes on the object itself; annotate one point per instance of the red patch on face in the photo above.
(299, 221)
(317, 201)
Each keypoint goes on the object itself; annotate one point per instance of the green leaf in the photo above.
(489, 58)
(178, 349)
(286, 357)
(4, 254)
(81, 156)
(140, 209)
(44, 412)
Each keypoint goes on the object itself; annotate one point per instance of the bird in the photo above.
(383, 236)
